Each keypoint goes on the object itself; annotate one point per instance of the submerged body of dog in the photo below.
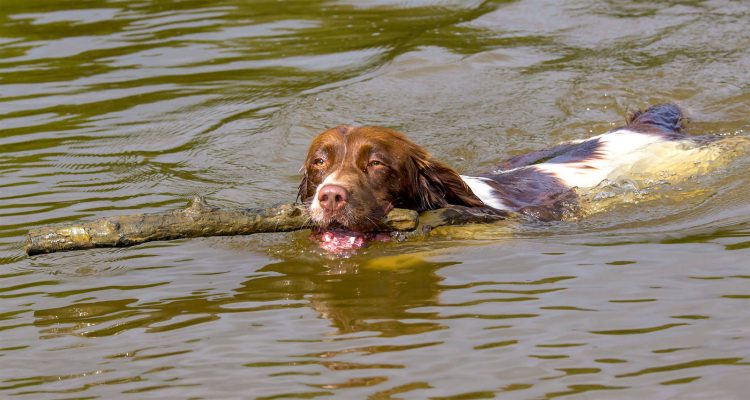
(355, 175)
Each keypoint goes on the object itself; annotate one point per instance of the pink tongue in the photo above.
(336, 242)
(340, 241)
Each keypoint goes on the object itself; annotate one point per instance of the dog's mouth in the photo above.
(343, 232)
(341, 240)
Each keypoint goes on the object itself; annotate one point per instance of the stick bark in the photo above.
(201, 220)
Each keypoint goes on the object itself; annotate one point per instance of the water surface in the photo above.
(112, 107)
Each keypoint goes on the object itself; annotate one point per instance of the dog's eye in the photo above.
(374, 163)
(319, 161)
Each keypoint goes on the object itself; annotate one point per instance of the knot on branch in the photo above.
(198, 205)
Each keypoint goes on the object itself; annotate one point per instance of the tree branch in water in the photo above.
(201, 220)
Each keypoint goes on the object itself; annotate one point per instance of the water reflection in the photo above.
(338, 325)
(354, 298)
(357, 298)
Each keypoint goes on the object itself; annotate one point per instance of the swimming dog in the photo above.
(353, 176)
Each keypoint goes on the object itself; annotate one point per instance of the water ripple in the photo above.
(112, 107)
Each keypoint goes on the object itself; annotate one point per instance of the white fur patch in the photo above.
(316, 210)
(616, 150)
(485, 192)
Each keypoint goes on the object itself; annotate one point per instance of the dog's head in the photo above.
(356, 175)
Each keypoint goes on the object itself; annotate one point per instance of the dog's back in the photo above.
(546, 184)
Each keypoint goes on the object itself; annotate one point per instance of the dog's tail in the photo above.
(667, 118)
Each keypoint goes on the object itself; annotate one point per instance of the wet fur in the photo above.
(539, 184)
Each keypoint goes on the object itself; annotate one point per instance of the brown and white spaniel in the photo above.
(353, 176)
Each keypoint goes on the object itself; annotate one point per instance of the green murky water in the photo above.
(112, 107)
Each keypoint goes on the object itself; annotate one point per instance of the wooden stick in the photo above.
(201, 220)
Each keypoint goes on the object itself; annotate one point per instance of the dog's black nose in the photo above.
(332, 197)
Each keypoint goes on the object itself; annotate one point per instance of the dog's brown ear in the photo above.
(436, 185)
